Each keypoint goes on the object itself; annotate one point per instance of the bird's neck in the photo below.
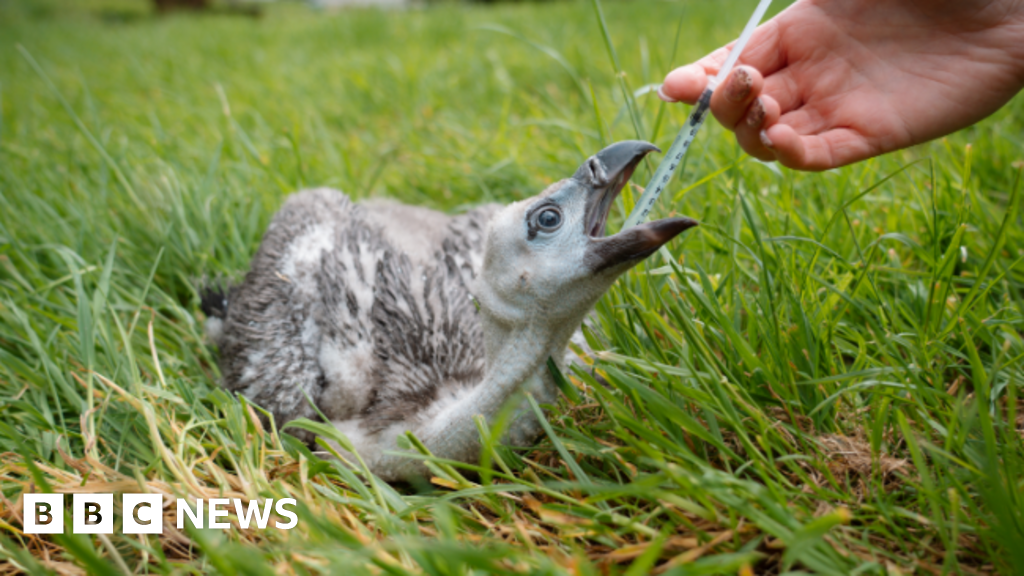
(512, 345)
(517, 352)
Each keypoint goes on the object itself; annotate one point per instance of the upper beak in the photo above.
(605, 174)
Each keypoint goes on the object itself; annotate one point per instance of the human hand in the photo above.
(831, 82)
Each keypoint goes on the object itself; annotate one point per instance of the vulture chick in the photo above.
(392, 318)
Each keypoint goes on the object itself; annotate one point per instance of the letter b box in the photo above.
(92, 514)
(43, 514)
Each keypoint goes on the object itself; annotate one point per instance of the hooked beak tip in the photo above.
(634, 244)
(614, 161)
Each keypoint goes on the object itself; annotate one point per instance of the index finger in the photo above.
(764, 53)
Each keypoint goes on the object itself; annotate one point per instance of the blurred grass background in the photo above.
(823, 378)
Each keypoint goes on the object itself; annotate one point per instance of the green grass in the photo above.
(824, 377)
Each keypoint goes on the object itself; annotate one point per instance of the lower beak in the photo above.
(634, 244)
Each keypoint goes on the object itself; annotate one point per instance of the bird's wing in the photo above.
(426, 327)
(334, 313)
(427, 337)
(310, 282)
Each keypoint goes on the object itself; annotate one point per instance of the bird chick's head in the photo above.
(548, 256)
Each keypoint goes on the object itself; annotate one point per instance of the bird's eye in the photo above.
(549, 219)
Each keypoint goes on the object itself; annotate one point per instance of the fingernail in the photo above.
(739, 87)
(756, 115)
(663, 96)
(766, 140)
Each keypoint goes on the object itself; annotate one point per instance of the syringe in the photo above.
(676, 152)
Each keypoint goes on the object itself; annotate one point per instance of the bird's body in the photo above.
(367, 311)
(364, 308)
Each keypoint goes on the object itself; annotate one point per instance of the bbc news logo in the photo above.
(143, 513)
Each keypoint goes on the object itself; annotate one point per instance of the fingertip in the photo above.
(743, 83)
(734, 96)
(684, 84)
(786, 145)
(751, 143)
(764, 111)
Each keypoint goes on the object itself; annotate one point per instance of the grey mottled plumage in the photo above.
(366, 311)
(364, 307)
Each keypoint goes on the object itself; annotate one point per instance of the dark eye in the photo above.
(549, 219)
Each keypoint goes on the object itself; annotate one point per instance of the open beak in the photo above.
(605, 174)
